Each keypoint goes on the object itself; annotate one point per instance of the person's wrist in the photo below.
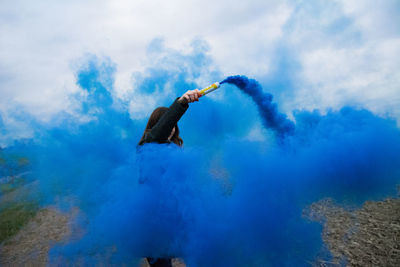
(182, 100)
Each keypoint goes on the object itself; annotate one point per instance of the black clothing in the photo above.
(163, 128)
(159, 134)
(159, 262)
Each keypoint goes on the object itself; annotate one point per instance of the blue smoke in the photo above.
(269, 113)
(223, 199)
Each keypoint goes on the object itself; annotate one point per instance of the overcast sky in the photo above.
(343, 52)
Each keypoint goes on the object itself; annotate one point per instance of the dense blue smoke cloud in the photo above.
(223, 199)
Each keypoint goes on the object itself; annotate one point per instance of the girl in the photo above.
(161, 128)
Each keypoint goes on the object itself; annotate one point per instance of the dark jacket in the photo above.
(163, 128)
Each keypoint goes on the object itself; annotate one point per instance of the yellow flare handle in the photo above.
(209, 89)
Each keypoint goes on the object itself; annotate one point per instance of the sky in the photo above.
(310, 54)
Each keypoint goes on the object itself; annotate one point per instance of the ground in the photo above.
(369, 236)
(29, 247)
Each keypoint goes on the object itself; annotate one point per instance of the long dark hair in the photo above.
(154, 118)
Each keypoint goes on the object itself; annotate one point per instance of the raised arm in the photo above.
(162, 129)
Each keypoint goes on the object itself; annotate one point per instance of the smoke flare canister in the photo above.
(209, 89)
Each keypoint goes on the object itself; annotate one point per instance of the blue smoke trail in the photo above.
(269, 113)
(235, 203)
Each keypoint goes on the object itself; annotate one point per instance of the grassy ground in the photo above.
(16, 210)
(14, 216)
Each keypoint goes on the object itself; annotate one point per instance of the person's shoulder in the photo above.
(145, 139)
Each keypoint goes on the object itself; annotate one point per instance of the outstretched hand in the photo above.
(190, 96)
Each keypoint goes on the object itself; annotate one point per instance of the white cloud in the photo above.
(347, 53)
(364, 76)
(40, 41)
(335, 43)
